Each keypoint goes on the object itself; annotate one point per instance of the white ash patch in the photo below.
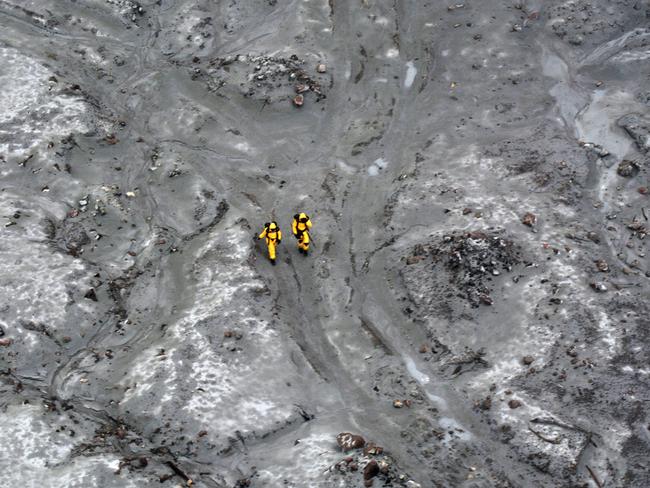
(34, 111)
(199, 357)
(307, 463)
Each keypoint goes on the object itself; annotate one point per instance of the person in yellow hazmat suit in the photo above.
(301, 226)
(273, 236)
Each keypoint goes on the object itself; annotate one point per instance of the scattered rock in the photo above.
(5, 342)
(321, 68)
(514, 403)
(424, 349)
(627, 168)
(643, 190)
(348, 441)
(2, 332)
(91, 295)
(398, 403)
(467, 210)
(529, 219)
(298, 100)
(371, 470)
(527, 360)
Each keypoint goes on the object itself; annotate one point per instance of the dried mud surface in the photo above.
(475, 305)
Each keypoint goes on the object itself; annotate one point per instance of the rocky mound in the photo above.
(459, 265)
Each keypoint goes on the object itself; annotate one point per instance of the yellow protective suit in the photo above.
(273, 236)
(301, 226)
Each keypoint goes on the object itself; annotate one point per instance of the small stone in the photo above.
(598, 286)
(321, 68)
(527, 360)
(91, 295)
(424, 349)
(372, 449)
(643, 190)
(514, 403)
(6, 342)
(602, 265)
(202, 433)
(2, 332)
(599, 83)
(486, 299)
(467, 210)
(398, 403)
(371, 470)
(228, 333)
(111, 139)
(516, 28)
(413, 260)
(529, 219)
(627, 168)
(348, 441)
(130, 194)
(298, 100)
(486, 403)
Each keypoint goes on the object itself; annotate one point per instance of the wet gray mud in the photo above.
(476, 301)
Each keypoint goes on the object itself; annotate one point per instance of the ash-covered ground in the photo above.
(474, 311)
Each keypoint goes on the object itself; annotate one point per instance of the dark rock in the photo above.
(72, 237)
(638, 129)
(413, 260)
(5, 342)
(528, 360)
(627, 168)
(298, 100)
(347, 441)
(529, 219)
(91, 295)
(372, 449)
(599, 287)
(486, 403)
(602, 265)
(514, 403)
(371, 470)
(2, 332)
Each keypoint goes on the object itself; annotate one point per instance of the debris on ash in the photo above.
(465, 262)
